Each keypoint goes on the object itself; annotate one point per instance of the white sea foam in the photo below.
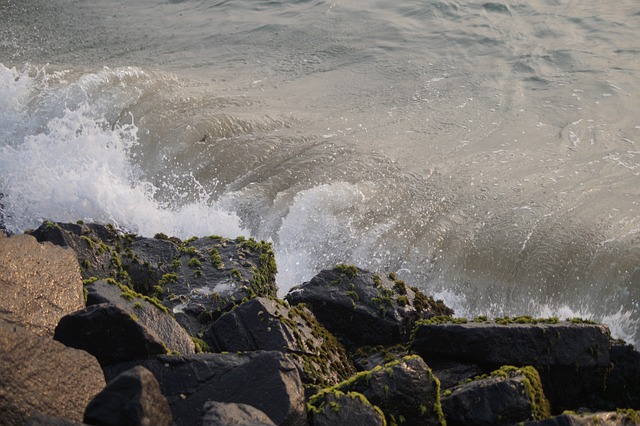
(79, 165)
(316, 232)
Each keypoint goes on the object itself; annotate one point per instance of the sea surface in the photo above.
(487, 152)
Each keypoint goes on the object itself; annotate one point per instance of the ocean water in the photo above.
(487, 152)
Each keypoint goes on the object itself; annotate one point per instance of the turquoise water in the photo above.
(488, 152)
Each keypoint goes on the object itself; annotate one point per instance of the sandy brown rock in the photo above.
(41, 376)
(39, 283)
(42, 420)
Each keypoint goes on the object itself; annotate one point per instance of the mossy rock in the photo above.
(197, 279)
(363, 308)
(211, 275)
(339, 408)
(270, 324)
(148, 312)
(504, 397)
(369, 357)
(104, 252)
(405, 390)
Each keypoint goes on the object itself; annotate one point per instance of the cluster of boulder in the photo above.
(101, 327)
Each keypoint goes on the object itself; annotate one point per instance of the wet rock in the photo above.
(623, 378)
(89, 242)
(198, 279)
(39, 283)
(507, 396)
(270, 324)
(150, 314)
(452, 373)
(617, 418)
(110, 333)
(105, 252)
(229, 413)
(337, 408)
(268, 381)
(362, 308)
(564, 352)
(213, 274)
(147, 260)
(540, 344)
(406, 391)
(132, 398)
(369, 357)
(41, 376)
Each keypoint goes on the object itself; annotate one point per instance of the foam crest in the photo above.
(80, 166)
(316, 232)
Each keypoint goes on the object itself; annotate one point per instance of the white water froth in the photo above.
(321, 230)
(79, 165)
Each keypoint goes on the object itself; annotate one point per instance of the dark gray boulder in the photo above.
(197, 279)
(507, 396)
(109, 333)
(39, 283)
(41, 376)
(147, 260)
(93, 244)
(233, 414)
(338, 408)
(106, 252)
(132, 398)
(562, 352)
(405, 390)
(268, 381)
(369, 357)
(148, 312)
(362, 308)
(211, 275)
(270, 324)
(539, 344)
(452, 373)
(623, 378)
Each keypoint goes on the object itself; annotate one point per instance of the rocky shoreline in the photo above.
(102, 327)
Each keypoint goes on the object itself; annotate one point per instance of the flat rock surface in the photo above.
(540, 344)
(41, 376)
(39, 283)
